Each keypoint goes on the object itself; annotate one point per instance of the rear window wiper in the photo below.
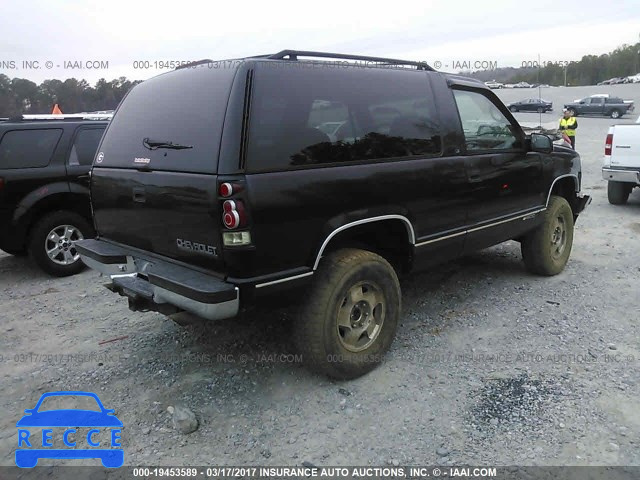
(155, 144)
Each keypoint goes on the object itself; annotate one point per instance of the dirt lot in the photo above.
(491, 365)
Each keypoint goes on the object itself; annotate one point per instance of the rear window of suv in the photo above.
(303, 116)
(185, 107)
(28, 148)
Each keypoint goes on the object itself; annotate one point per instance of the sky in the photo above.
(91, 40)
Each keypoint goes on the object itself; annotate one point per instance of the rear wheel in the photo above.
(540, 110)
(615, 114)
(546, 250)
(618, 192)
(349, 320)
(52, 242)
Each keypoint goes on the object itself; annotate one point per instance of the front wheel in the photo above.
(349, 320)
(513, 109)
(546, 249)
(618, 192)
(52, 242)
(540, 110)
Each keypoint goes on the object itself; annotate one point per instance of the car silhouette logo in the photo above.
(101, 422)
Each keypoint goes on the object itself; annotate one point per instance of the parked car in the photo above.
(232, 194)
(522, 85)
(493, 84)
(621, 164)
(613, 107)
(44, 189)
(531, 105)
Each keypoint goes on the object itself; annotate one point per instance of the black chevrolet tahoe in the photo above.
(319, 178)
(44, 188)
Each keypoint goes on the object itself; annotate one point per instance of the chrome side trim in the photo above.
(526, 216)
(408, 226)
(577, 182)
(519, 217)
(282, 280)
(427, 242)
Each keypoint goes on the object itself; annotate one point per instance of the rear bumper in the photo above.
(619, 175)
(159, 285)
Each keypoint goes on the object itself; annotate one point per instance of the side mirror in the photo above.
(541, 143)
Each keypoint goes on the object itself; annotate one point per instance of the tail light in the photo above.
(233, 214)
(1, 183)
(608, 144)
(227, 189)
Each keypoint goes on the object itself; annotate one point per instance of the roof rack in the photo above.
(64, 116)
(294, 54)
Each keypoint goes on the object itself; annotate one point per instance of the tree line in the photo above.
(19, 95)
(624, 61)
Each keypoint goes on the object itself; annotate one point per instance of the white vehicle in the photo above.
(494, 84)
(621, 165)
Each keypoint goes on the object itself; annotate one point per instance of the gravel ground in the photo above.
(490, 366)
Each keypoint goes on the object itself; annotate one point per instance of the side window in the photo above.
(333, 119)
(484, 125)
(85, 145)
(303, 116)
(28, 148)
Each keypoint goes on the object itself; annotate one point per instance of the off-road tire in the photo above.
(42, 229)
(325, 346)
(546, 249)
(618, 192)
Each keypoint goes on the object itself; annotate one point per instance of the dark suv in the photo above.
(44, 188)
(217, 184)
